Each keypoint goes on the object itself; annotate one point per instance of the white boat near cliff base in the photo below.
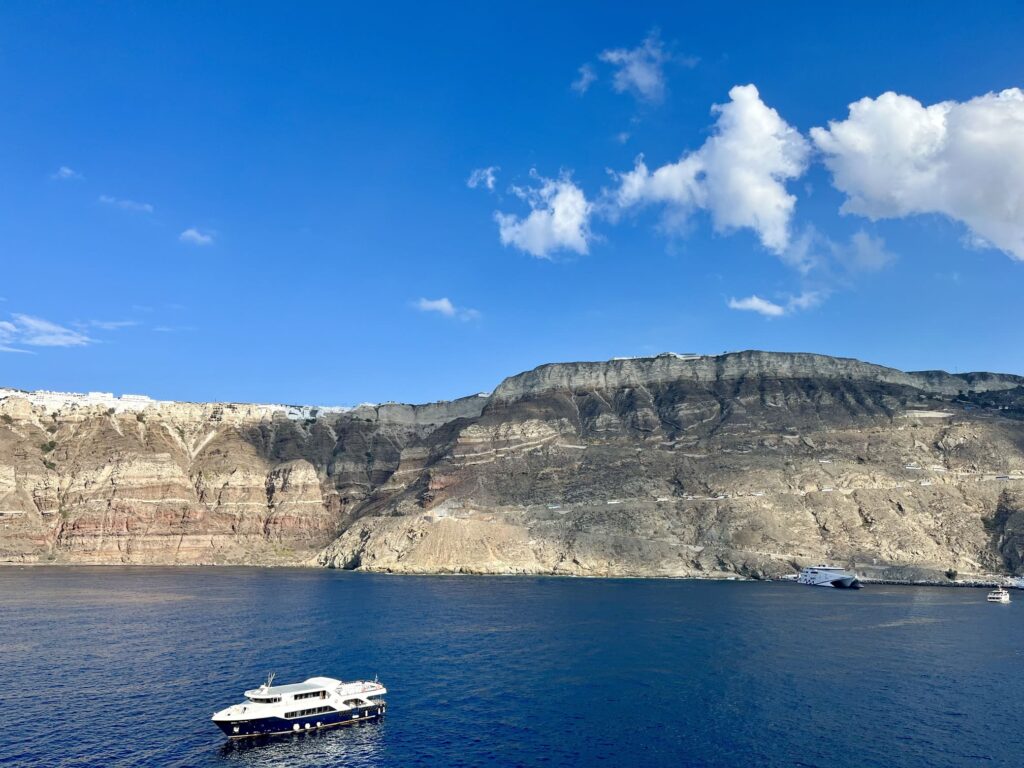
(828, 576)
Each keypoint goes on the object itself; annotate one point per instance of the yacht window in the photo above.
(312, 695)
(306, 712)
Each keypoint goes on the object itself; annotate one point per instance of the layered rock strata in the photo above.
(745, 464)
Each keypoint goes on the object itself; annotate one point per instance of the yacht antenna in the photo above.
(270, 680)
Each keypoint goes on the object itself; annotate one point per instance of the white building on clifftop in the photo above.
(59, 401)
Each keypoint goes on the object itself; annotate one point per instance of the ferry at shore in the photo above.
(828, 576)
(319, 702)
(998, 595)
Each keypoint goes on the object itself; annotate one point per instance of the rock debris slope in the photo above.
(740, 464)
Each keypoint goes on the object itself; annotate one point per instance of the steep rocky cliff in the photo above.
(748, 463)
(184, 483)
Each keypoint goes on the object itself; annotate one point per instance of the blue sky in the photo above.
(266, 202)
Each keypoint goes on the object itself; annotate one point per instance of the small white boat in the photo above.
(998, 595)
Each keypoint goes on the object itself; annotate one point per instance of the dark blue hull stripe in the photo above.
(279, 726)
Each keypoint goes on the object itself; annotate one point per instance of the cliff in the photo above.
(749, 463)
(194, 483)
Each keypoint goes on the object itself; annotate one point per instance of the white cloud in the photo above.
(485, 176)
(9, 334)
(802, 301)
(585, 79)
(826, 265)
(112, 325)
(27, 330)
(738, 175)
(893, 157)
(559, 219)
(126, 205)
(864, 253)
(756, 304)
(444, 306)
(639, 71)
(195, 237)
(804, 251)
(677, 184)
(805, 300)
(172, 328)
(65, 174)
(812, 252)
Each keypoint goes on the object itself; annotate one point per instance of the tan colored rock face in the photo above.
(747, 463)
(191, 483)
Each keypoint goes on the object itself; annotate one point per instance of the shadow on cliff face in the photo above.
(1007, 529)
(284, 440)
(352, 455)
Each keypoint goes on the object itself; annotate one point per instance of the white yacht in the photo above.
(828, 576)
(319, 702)
(998, 595)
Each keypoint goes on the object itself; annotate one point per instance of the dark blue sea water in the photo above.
(123, 667)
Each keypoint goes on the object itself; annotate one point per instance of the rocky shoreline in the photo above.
(981, 583)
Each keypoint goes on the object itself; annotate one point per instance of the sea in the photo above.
(111, 666)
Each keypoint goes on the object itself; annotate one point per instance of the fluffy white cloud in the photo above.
(126, 205)
(27, 330)
(756, 304)
(65, 174)
(444, 306)
(195, 237)
(585, 78)
(738, 175)
(640, 70)
(805, 300)
(483, 176)
(894, 157)
(559, 219)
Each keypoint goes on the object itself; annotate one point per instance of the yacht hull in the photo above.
(279, 726)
